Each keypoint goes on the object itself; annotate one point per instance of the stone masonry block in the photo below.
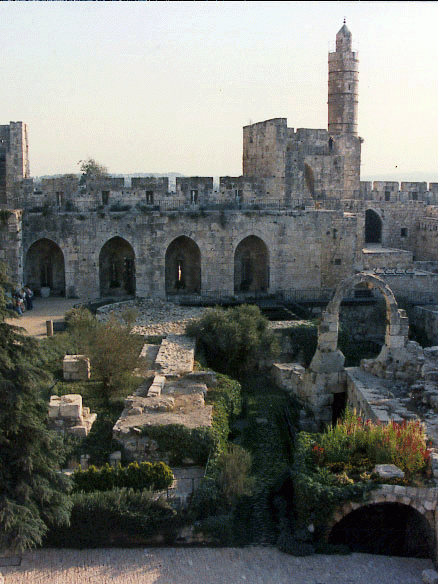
(54, 405)
(71, 406)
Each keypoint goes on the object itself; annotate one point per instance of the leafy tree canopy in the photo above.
(90, 168)
(233, 340)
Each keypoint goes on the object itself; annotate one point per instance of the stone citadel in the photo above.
(299, 219)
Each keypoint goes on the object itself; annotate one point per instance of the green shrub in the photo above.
(234, 464)
(317, 491)
(180, 442)
(219, 527)
(207, 500)
(115, 517)
(137, 476)
(112, 349)
(233, 340)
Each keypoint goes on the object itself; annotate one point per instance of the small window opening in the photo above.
(387, 196)
(105, 197)
(193, 196)
(149, 197)
(404, 232)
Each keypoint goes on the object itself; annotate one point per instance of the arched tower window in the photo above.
(117, 268)
(183, 267)
(251, 266)
(373, 227)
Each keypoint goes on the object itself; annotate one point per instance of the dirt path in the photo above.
(255, 565)
(34, 321)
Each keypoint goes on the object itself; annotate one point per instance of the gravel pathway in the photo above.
(255, 565)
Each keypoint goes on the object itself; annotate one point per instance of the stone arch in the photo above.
(373, 227)
(387, 525)
(117, 268)
(45, 267)
(397, 324)
(183, 266)
(251, 265)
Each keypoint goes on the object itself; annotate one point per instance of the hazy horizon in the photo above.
(159, 85)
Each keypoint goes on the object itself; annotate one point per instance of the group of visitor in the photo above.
(20, 300)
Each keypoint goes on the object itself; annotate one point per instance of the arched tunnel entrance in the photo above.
(391, 529)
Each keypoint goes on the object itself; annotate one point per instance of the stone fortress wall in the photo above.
(298, 218)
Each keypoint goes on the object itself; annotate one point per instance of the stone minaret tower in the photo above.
(343, 86)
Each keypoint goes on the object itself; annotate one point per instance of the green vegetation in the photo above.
(233, 503)
(113, 518)
(112, 349)
(336, 466)
(233, 340)
(304, 338)
(32, 492)
(155, 476)
(198, 444)
(354, 446)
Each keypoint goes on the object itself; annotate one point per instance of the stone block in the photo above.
(71, 406)
(54, 405)
(389, 471)
(78, 431)
(76, 368)
(395, 341)
(429, 577)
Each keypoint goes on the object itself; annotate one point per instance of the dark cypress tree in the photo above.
(33, 493)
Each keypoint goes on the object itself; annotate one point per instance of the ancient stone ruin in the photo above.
(67, 415)
(176, 395)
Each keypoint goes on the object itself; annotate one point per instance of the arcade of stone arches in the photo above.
(45, 267)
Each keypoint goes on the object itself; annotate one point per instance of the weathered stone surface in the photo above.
(76, 368)
(388, 471)
(429, 577)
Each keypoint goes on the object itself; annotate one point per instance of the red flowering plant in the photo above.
(355, 445)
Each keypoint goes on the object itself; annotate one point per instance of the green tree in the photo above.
(33, 493)
(92, 170)
(233, 340)
(112, 348)
(90, 167)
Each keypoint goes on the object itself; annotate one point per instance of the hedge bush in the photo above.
(117, 517)
(137, 476)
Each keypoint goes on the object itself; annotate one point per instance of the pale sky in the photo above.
(167, 86)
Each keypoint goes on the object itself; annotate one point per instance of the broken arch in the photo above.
(397, 325)
(183, 267)
(45, 267)
(251, 265)
(117, 268)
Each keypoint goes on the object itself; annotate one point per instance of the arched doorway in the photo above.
(183, 267)
(45, 267)
(117, 268)
(386, 529)
(251, 266)
(373, 227)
